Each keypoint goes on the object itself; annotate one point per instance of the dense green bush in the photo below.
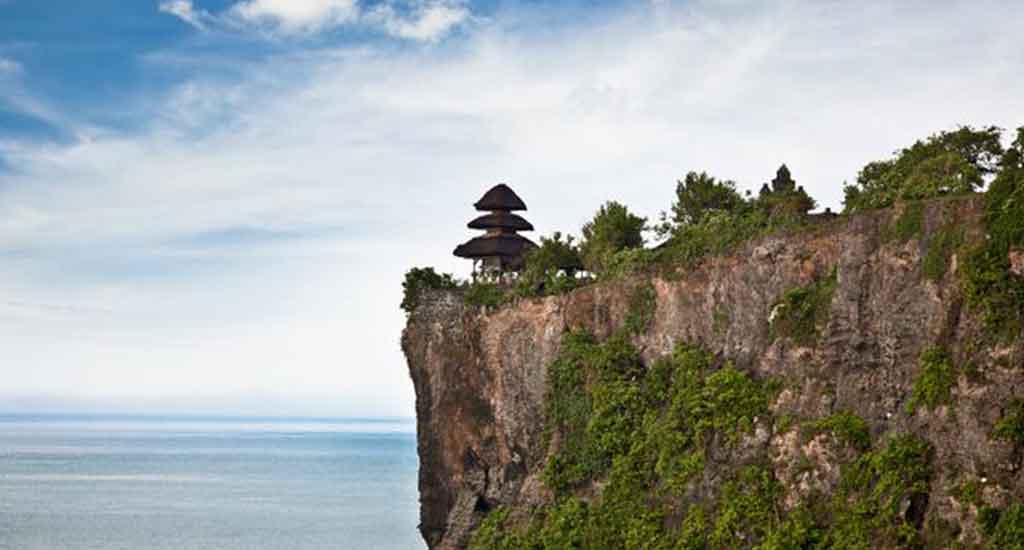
(419, 279)
(868, 507)
(701, 195)
(551, 268)
(947, 163)
(612, 229)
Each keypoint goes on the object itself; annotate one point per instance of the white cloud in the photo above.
(374, 156)
(418, 20)
(186, 11)
(296, 16)
(427, 22)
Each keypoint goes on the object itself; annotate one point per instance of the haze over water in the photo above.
(132, 483)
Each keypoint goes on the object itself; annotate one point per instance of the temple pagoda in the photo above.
(500, 250)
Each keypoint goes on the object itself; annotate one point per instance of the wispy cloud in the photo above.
(187, 12)
(427, 21)
(9, 66)
(418, 20)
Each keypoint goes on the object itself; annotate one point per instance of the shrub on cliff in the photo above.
(551, 267)
(947, 163)
(989, 283)
(710, 217)
(419, 279)
(613, 228)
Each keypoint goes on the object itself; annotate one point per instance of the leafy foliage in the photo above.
(945, 241)
(803, 309)
(486, 294)
(988, 284)
(847, 427)
(642, 304)
(613, 228)
(419, 279)
(908, 225)
(699, 195)
(936, 378)
(1007, 533)
(641, 435)
(551, 267)
(947, 163)
(709, 217)
(641, 428)
(868, 506)
(1011, 426)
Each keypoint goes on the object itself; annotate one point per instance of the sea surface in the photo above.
(154, 483)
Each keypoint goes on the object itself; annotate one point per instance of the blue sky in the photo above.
(207, 206)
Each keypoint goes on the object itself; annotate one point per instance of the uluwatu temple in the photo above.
(499, 253)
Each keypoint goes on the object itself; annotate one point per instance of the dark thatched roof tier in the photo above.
(502, 220)
(508, 246)
(500, 197)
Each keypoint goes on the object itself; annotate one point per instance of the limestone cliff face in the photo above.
(480, 376)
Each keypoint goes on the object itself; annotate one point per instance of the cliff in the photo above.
(858, 325)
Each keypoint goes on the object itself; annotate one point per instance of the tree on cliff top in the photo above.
(699, 195)
(952, 162)
(613, 228)
(551, 267)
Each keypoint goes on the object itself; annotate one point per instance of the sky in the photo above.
(207, 206)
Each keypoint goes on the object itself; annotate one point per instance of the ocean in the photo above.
(154, 483)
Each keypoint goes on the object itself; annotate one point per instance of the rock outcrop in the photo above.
(480, 376)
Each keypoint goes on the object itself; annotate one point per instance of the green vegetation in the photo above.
(847, 427)
(988, 283)
(419, 279)
(947, 163)
(642, 304)
(551, 267)
(909, 225)
(940, 250)
(970, 492)
(646, 432)
(1011, 426)
(1006, 532)
(613, 229)
(640, 436)
(803, 310)
(934, 381)
(485, 293)
(710, 217)
(868, 507)
(700, 195)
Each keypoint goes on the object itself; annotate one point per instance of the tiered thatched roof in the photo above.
(500, 198)
(503, 220)
(501, 248)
